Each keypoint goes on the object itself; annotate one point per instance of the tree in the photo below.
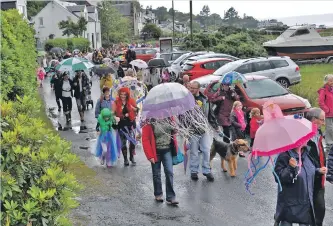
(152, 30)
(82, 25)
(114, 26)
(161, 13)
(204, 13)
(34, 7)
(231, 14)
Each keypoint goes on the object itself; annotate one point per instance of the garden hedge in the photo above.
(36, 187)
(68, 43)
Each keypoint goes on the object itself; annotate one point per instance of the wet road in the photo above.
(124, 195)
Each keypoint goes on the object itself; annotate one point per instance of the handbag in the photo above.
(179, 158)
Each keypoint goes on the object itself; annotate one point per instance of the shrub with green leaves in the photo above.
(18, 55)
(36, 187)
(68, 43)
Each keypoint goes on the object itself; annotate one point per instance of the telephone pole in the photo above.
(191, 20)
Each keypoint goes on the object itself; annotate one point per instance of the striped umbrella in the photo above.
(74, 64)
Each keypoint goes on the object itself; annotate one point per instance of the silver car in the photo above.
(281, 69)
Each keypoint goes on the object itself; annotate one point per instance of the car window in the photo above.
(187, 67)
(261, 66)
(166, 57)
(226, 68)
(150, 51)
(210, 66)
(263, 88)
(181, 58)
(244, 69)
(279, 63)
(139, 51)
(176, 56)
(221, 63)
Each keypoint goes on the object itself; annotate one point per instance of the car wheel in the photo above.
(283, 82)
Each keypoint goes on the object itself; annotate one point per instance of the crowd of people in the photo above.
(301, 201)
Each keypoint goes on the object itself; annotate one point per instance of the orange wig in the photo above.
(130, 102)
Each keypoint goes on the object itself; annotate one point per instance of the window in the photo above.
(254, 89)
(41, 22)
(210, 66)
(221, 63)
(262, 66)
(244, 69)
(88, 37)
(187, 67)
(279, 63)
(150, 51)
(301, 32)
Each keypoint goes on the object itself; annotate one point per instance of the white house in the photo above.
(47, 20)
(20, 5)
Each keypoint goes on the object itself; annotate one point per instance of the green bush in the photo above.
(237, 42)
(36, 187)
(57, 42)
(18, 55)
(68, 43)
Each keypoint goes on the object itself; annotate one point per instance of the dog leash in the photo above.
(221, 134)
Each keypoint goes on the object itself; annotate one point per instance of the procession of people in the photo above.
(176, 123)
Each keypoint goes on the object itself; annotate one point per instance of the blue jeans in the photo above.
(204, 142)
(164, 157)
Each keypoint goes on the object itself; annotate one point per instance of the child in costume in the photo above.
(106, 148)
(256, 121)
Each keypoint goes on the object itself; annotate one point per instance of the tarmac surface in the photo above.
(124, 195)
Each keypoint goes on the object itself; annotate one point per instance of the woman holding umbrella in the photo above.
(126, 110)
(168, 107)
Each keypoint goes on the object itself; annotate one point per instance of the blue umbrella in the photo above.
(233, 77)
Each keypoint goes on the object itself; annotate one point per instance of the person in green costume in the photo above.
(106, 148)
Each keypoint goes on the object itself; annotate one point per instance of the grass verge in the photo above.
(312, 80)
(83, 174)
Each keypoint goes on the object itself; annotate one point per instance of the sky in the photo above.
(258, 9)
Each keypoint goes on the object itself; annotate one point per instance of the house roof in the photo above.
(76, 8)
(124, 9)
(91, 9)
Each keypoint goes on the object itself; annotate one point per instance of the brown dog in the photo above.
(228, 152)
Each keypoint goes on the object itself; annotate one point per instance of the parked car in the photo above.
(197, 69)
(176, 66)
(257, 90)
(171, 57)
(281, 69)
(145, 54)
(211, 55)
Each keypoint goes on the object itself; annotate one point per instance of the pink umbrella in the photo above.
(278, 134)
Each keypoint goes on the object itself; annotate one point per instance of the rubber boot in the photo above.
(126, 163)
(67, 118)
(132, 157)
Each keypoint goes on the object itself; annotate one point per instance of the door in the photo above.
(264, 68)
(93, 40)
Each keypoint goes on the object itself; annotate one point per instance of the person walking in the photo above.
(224, 99)
(159, 149)
(106, 81)
(202, 141)
(120, 70)
(81, 84)
(326, 104)
(56, 86)
(66, 96)
(41, 76)
(317, 156)
(126, 110)
(130, 56)
(295, 201)
(104, 101)
(238, 123)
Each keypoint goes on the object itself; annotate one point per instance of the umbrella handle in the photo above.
(134, 71)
